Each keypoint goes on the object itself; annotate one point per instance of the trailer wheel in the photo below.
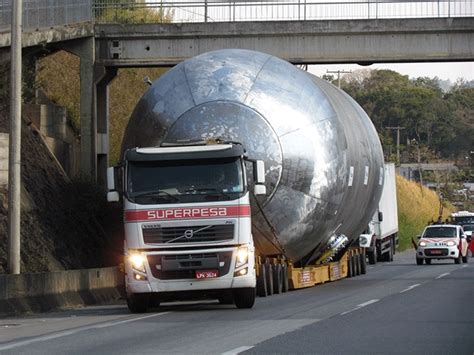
(244, 297)
(137, 302)
(285, 286)
(372, 256)
(262, 281)
(277, 279)
(363, 264)
(350, 266)
(269, 270)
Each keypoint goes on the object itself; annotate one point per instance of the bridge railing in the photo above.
(120, 11)
(41, 14)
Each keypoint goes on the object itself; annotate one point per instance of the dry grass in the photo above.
(416, 207)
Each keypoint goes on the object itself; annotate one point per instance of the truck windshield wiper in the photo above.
(157, 193)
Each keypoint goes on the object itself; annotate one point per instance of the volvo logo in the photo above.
(188, 233)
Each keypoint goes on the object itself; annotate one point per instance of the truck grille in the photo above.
(184, 266)
(210, 233)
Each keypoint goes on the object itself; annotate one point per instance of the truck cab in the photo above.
(187, 223)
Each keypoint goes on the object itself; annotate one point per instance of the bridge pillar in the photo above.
(104, 75)
(85, 50)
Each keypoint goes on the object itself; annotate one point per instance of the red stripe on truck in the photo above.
(164, 214)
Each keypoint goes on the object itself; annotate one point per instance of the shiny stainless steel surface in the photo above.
(322, 154)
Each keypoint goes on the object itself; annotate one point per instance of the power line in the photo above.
(339, 72)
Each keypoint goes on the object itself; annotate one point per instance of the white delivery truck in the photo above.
(380, 239)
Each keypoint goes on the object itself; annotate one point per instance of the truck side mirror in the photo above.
(380, 216)
(259, 172)
(113, 195)
(260, 189)
(418, 237)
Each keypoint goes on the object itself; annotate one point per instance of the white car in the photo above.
(442, 241)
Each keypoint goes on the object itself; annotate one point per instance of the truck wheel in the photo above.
(357, 264)
(350, 266)
(262, 281)
(244, 297)
(458, 259)
(269, 270)
(363, 264)
(277, 279)
(390, 252)
(419, 261)
(372, 256)
(285, 286)
(137, 302)
(428, 261)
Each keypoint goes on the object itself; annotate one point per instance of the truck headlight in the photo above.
(450, 243)
(422, 244)
(242, 256)
(137, 261)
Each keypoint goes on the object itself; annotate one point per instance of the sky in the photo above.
(443, 71)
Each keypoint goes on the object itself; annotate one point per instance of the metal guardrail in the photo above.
(180, 11)
(40, 14)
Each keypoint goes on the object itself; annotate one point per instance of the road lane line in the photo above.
(367, 303)
(61, 334)
(462, 267)
(359, 306)
(410, 288)
(111, 324)
(238, 350)
(442, 275)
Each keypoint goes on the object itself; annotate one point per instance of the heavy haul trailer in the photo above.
(303, 162)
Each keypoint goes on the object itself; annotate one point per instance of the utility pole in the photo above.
(398, 128)
(14, 158)
(338, 72)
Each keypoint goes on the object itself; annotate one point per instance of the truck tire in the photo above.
(458, 259)
(372, 256)
(350, 266)
(137, 302)
(357, 264)
(428, 261)
(244, 297)
(269, 271)
(262, 281)
(277, 280)
(363, 264)
(419, 261)
(285, 281)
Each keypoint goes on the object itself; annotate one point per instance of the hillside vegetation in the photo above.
(416, 207)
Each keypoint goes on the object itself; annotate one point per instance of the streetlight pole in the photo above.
(14, 161)
(338, 72)
(398, 128)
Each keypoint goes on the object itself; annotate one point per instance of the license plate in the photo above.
(206, 274)
(435, 251)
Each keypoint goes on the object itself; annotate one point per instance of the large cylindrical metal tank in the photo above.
(323, 158)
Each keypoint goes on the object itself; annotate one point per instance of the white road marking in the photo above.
(367, 303)
(462, 267)
(359, 306)
(237, 350)
(410, 288)
(442, 275)
(73, 331)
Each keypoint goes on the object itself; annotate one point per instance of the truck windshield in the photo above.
(184, 181)
(440, 232)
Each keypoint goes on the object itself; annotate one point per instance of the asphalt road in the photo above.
(396, 308)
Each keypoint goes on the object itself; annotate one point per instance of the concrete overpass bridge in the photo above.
(300, 31)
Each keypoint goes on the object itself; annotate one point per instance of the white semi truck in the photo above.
(380, 239)
(288, 174)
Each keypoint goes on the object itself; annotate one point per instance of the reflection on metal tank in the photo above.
(323, 159)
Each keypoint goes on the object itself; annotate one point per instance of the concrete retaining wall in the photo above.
(41, 292)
